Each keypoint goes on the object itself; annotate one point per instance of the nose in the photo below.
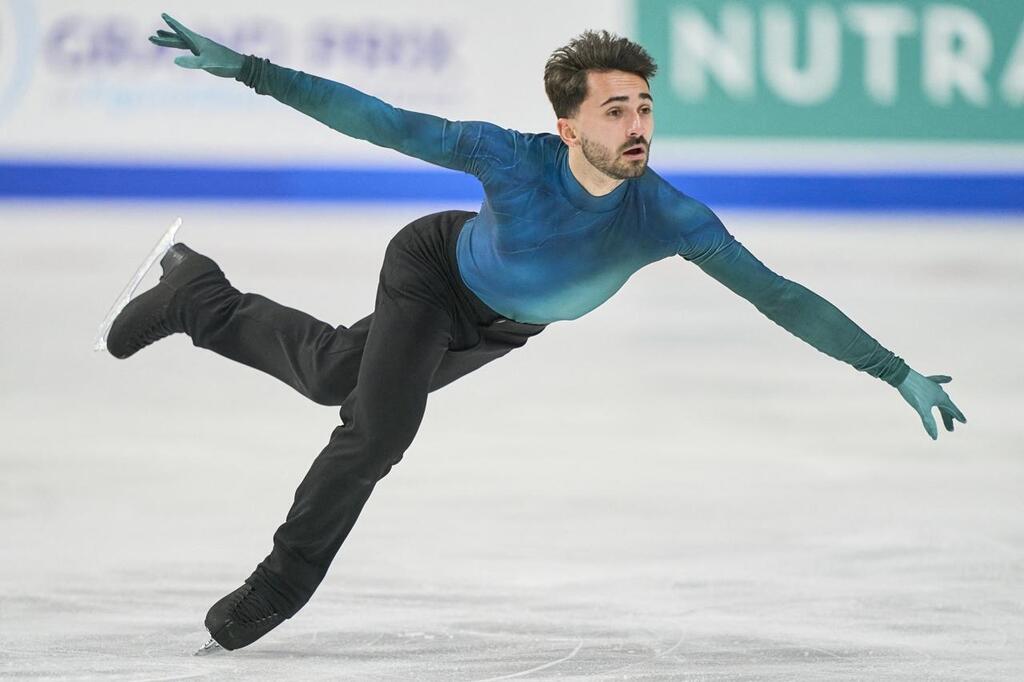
(636, 128)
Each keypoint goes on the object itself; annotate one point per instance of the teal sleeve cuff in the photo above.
(251, 71)
(898, 375)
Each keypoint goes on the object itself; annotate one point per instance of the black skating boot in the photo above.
(148, 317)
(239, 619)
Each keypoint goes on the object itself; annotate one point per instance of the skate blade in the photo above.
(158, 251)
(210, 647)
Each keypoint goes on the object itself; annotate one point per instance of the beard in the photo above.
(614, 164)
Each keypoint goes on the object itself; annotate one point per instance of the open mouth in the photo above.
(635, 152)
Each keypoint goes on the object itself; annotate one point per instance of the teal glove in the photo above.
(924, 393)
(209, 56)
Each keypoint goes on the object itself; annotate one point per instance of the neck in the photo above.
(594, 181)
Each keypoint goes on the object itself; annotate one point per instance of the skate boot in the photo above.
(239, 619)
(148, 317)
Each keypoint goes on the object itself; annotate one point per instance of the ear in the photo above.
(567, 131)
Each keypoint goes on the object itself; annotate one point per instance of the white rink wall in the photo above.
(81, 82)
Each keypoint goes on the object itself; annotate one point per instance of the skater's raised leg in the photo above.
(193, 296)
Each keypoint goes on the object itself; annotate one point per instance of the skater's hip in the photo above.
(426, 250)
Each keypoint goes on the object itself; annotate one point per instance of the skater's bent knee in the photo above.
(331, 395)
(381, 467)
(390, 443)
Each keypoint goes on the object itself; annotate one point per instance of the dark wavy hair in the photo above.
(565, 74)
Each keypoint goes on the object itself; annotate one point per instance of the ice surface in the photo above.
(669, 488)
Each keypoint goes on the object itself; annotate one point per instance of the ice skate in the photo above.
(211, 647)
(146, 319)
(239, 619)
(157, 252)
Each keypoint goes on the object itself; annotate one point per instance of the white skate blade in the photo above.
(210, 647)
(165, 243)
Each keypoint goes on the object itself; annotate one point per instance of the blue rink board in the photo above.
(982, 192)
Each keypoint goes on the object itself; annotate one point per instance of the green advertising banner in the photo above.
(911, 69)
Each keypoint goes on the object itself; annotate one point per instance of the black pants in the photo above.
(427, 329)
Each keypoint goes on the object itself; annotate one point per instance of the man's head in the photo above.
(598, 86)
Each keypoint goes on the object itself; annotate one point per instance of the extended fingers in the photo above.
(929, 424)
(187, 37)
(165, 41)
(947, 419)
(953, 410)
(949, 412)
(947, 409)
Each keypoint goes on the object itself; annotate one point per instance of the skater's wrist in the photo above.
(898, 375)
(252, 71)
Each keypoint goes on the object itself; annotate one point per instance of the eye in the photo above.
(645, 110)
(614, 112)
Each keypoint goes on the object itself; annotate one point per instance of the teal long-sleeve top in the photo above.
(542, 248)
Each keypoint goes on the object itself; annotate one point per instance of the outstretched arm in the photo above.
(813, 319)
(471, 146)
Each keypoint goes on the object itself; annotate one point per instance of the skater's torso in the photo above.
(543, 249)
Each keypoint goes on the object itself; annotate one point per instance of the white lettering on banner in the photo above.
(1012, 84)
(818, 80)
(697, 49)
(956, 44)
(881, 25)
(957, 53)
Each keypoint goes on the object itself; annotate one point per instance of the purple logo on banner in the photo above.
(78, 42)
(109, 52)
(81, 43)
(377, 46)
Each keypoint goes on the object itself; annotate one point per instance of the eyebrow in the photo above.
(625, 98)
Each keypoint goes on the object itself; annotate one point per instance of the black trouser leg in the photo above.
(406, 342)
(319, 361)
(427, 330)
